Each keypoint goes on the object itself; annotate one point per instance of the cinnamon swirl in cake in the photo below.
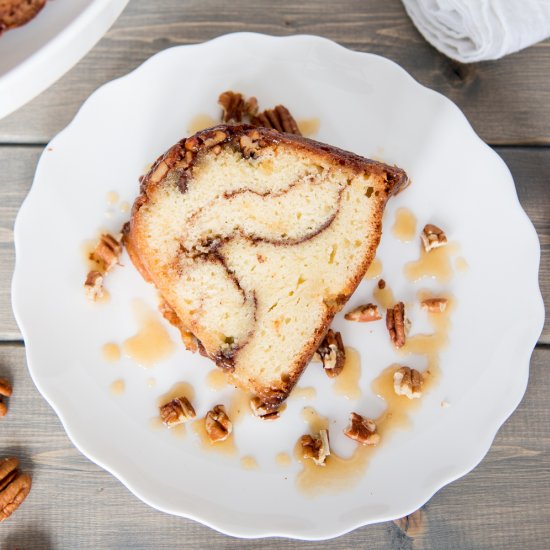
(256, 239)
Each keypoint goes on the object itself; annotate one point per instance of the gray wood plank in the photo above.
(18, 166)
(507, 101)
(503, 503)
(530, 168)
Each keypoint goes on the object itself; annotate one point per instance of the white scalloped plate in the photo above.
(366, 104)
(35, 55)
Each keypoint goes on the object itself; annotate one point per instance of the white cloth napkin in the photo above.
(478, 30)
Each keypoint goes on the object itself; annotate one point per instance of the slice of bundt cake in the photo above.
(256, 239)
(14, 13)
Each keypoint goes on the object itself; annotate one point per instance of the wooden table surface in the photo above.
(503, 503)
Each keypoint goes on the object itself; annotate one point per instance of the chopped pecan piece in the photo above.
(93, 285)
(14, 487)
(408, 382)
(434, 305)
(262, 410)
(106, 252)
(236, 108)
(159, 170)
(217, 424)
(186, 162)
(362, 429)
(3, 409)
(395, 322)
(278, 119)
(316, 448)
(215, 137)
(381, 284)
(189, 340)
(177, 411)
(192, 144)
(250, 144)
(364, 314)
(432, 237)
(331, 353)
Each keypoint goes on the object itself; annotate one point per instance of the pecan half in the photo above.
(235, 107)
(434, 305)
(316, 448)
(217, 424)
(278, 119)
(395, 322)
(5, 388)
(408, 382)
(250, 145)
(362, 430)
(93, 285)
(14, 487)
(106, 252)
(177, 411)
(364, 314)
(432, 237)
(8, 466)
(263, 410)
(331, 353)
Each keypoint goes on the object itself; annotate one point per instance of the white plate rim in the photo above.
(536, 322)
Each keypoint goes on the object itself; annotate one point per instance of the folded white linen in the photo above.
(479, 30)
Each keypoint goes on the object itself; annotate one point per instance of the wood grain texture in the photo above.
(530, 168)
(18, 166)
(503, 503)
(506, 100)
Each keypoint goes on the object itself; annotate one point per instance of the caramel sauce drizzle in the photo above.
(309, 126)
(384, 296)
(306, 393)
(404, 227)
(151, 343)
(179, 389)
(375, 269)
(216, 379)
(461, 264)
(435, 264)
(226, 447)
(117, 387)
(201, 122)
(283, 459)
(249, 463)
(111, 352)
(347, 382)
(340, 473)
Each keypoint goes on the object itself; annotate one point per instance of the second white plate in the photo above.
(35, 55)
